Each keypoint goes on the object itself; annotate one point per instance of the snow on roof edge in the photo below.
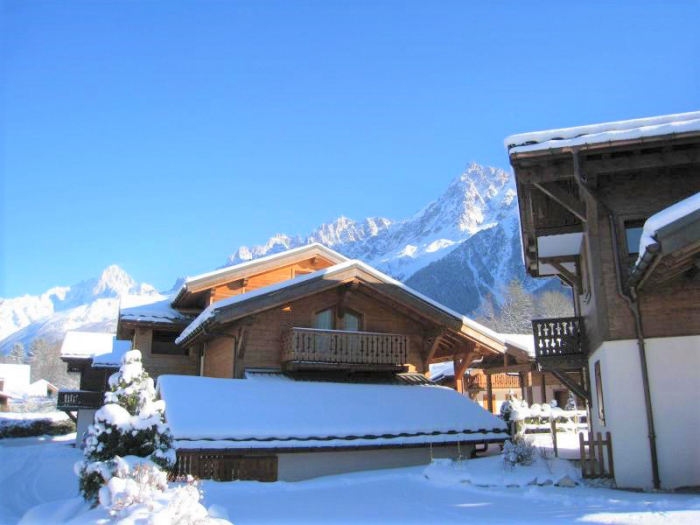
(212, 308)
(264, 259)
(604, 132)
(85, 345)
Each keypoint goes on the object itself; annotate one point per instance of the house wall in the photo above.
(159, 364)
(264, 341)
(85, 419)
(218, 358)
(668, 311)
(306, 465)
(673, 363)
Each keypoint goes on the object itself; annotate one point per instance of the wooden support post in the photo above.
(591, 453)
(582, 448)
(553, 425)
(522, 386)
(461, 362)
(489, 393)
(611, 467)
(601, 461)
(543, 386)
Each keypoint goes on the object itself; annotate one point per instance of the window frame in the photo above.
(599, 391)
(183, 352)
(360, 319)
(334, 320)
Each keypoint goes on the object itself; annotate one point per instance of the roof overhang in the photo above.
(676, 253)
(202, 282)
(229, 311)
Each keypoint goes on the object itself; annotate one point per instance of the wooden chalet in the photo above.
(308, 316)
(587, 196)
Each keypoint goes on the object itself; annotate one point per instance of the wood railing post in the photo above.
(582, 446)
(553, 424)
(611, 467)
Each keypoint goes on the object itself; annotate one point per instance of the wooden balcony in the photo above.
(560, 343)
(308, 348)
(71, 400)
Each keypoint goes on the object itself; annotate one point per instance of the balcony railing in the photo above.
(312, 348)
(70, 400)
(562, 338)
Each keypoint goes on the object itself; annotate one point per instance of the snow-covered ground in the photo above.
(36, 471)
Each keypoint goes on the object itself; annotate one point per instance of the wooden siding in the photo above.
(673, 310)
(267, 278)
(266, 334)
(218, 357)
(159, 364)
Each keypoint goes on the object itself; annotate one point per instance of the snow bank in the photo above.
(598, 133)
(296, 413)
(665, 217)
(491, 472)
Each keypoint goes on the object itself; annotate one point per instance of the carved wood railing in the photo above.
(79, 399)
(343, 347)
(562, 337)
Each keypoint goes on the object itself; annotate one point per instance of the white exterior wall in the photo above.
(673, 364)
(85, 419)
(306, 465)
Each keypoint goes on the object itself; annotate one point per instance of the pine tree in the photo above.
(131, 423)
(17, 354)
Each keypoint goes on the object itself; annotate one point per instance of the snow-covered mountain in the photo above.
(457, 249)
(89, 305)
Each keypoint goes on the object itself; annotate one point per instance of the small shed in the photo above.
(277, 428)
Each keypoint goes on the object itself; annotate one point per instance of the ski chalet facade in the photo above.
(300, 364)
(613, 210)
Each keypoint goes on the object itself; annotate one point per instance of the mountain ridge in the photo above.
(458, 249)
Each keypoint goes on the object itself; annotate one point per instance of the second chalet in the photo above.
(301, 364)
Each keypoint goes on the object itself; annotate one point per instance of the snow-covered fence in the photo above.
(593, 463)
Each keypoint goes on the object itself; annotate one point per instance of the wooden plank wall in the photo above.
(269, 277)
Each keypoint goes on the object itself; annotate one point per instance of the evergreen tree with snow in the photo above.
(131, 423)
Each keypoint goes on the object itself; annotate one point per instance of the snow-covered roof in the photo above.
(112, 358)
(84, 345)
(261, 261)
(440, 371)
(212, 309)
(156, 312)
(16, 374)
(665, 217)
(523, 341)
(284, 414)
(607, 132)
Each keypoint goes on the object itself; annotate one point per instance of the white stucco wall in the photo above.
(673, 365)
(306, 465)
(85, 419)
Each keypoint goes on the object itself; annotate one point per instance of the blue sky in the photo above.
(162, 135)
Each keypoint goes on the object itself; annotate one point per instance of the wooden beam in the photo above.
(489, 393)
(543, 387)
(556, 193)
(572, 278)
(523, 367)
(461, 363)
(433, 347)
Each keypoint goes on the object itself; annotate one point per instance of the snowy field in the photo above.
(35, 471)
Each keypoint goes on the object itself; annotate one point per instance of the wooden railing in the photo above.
(79, 399)
(338, 347)
(560, 337)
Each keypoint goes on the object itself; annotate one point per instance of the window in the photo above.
(325, 319)
(352, 322)
(164, 343)
(633, 234)
(599, 393)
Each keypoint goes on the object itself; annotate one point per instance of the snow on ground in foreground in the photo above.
(35, 470)
(40, 470)
(25, 418)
